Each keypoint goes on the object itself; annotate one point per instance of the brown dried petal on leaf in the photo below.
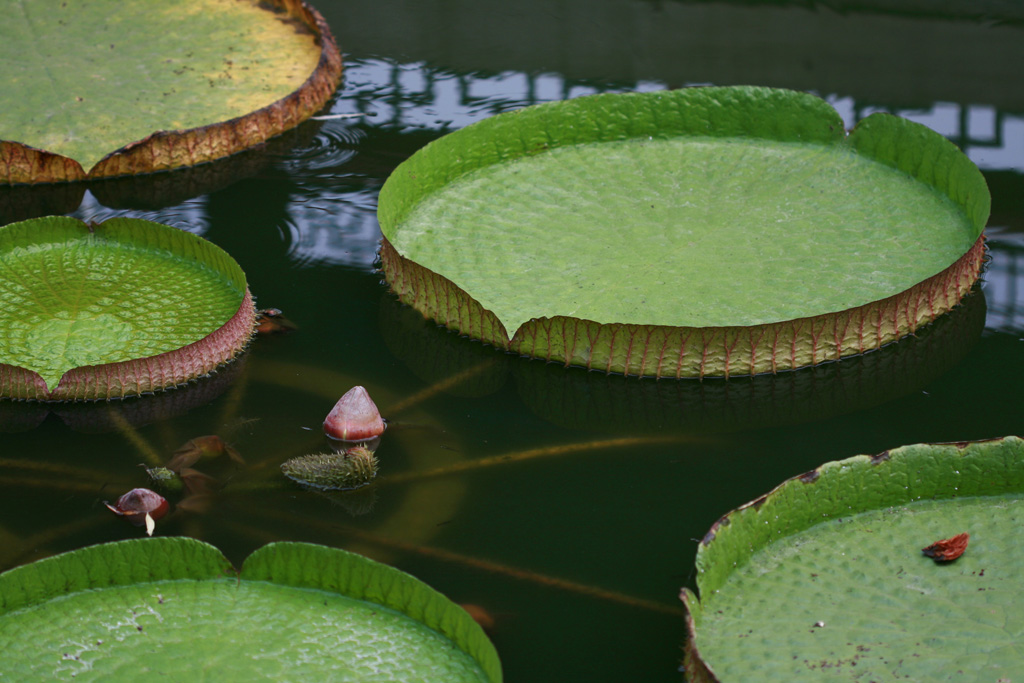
(947, 549)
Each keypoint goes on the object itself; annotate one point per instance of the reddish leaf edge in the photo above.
(139, 376)
(696, 669)
(661, 351)
(22, 164)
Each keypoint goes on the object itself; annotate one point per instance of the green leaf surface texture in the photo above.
(188, 624)
(824, 579)
(313, 566)
(87, 77)
(697, 207)
(72, 296)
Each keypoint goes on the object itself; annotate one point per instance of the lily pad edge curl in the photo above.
(680, 351)
(167, 150)
(142, 375)
(873, 515)
(182, 586)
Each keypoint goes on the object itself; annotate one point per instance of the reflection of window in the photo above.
(1006, 150)
(416, 95)
(994, 140)
(1004, 282)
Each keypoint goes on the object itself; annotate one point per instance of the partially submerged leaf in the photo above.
(210, 446)
(174, 607)
(823, 578)
(705, 231)
(116, 309)
(116, 87)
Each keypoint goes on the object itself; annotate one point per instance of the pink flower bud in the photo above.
(354, 417)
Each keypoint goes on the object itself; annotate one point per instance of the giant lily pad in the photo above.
(120, 87)
(704, 231)
(824, 578)
(121, 308)
(174, 607)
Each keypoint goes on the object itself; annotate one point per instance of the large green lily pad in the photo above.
(118, 87)
(823, 579)
(175, 608)
(120, 308)
(704, 231)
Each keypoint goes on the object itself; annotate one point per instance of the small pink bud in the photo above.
(354, 417)
(140, 507)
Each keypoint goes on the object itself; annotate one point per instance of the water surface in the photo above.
(578, 543)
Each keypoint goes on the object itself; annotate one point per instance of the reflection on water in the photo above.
(1004, 282)
(566, 504)
(334, 177)
(993, 139)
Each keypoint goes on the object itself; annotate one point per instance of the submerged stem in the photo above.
(468, 561)
(438, 387)
(519, 456)
(129, 432)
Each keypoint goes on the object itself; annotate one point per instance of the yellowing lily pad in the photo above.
(114, 87)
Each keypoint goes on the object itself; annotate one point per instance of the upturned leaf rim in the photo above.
(303, 566)
(143, 375)
(679, 351)
(166, 150)
(896, 477)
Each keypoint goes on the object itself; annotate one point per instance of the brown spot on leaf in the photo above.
(710, 535)
(880, 458)
(810, 477)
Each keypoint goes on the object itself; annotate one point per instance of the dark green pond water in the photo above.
(578, 544)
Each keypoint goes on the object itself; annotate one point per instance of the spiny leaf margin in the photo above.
(142, 375)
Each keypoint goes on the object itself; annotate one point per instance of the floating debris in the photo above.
(272, 321)
(354, 417)
(210, 446)
(164, 478)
